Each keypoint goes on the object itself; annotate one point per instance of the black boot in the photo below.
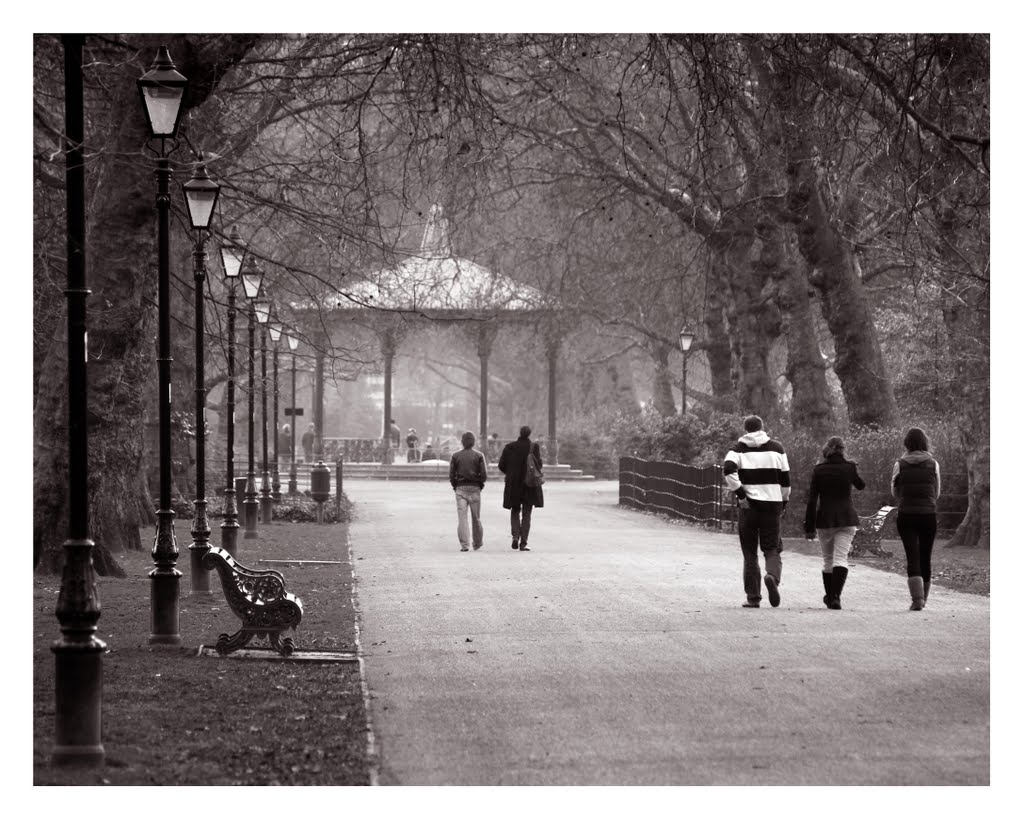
(826, 580)
(838, 581)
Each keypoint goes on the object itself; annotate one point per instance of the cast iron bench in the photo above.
(258, 597)
(868, 537)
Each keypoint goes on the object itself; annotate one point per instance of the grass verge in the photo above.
(173, 718)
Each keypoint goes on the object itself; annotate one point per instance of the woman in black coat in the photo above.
(830, 512)
(519, 498)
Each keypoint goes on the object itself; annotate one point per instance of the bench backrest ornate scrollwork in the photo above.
(256, 596)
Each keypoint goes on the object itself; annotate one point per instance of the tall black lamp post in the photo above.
(78, 653)
(252, 280)
(275, 484)
(685, 340)
(293, 475)
(201, 196)
(263, 308)
(162, 89)
(231, 254)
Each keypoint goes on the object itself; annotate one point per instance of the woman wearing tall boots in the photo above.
(915, 485)
(831, 514)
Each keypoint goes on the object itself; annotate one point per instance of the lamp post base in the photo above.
(293, 482)
(79, 700)
(164, 598)
(229, 538)
(200, 577)
(250, 511)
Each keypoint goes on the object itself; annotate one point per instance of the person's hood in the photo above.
(917, 456)
(755, 439)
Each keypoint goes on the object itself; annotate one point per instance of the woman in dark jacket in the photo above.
(916, 484)
(519, 498)
(830, 512)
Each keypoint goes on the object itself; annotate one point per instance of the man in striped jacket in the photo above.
(757, 471)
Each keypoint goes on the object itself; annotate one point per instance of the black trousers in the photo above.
(917, 531)
(521, 527)
(759, 525)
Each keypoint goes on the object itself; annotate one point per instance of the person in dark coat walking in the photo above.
(831, 514)
(519, 498)
(916, 484)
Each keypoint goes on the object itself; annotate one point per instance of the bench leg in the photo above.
(227, 644)
(283, 645)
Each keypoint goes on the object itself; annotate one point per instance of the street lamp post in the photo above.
(162, 89)
(231, 254)
(201, 197)
(275, 337)
(685, 340)
(293, 475)
(78, 653)
(263, 308)
(252, 279)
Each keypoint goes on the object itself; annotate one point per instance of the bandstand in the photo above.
(435, 286)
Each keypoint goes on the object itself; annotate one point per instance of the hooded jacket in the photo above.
(757, 468)
(916, 482)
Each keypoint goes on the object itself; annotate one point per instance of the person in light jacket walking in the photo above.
(916, 484)
(519, 498)
(467, 473)
(831, 514)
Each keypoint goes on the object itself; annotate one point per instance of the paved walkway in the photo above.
(616, 653)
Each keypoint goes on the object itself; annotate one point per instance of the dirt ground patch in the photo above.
(171, 717)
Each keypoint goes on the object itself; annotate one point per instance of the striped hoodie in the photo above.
(757, 468)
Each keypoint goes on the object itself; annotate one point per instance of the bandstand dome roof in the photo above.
(437, 280)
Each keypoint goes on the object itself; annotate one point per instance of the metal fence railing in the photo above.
(678, 490)
(698, 494)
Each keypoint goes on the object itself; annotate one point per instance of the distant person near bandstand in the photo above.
(521, 497)
(467, 473)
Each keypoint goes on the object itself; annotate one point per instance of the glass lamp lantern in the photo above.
(162, 90)
(201, 197)
(232, 253)
(252, 279)
(293, 343)
(686, 337)
(275, 332)
(263, 311)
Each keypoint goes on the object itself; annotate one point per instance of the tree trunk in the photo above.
(754, 324)
(805, 366)
(859, 363)
(664, 402)
(121, 318)
(716, 339)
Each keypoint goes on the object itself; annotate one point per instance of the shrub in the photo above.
(700, 437)
(295, 509)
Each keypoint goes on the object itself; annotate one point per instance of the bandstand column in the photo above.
(387, 349)
(484, 346)
(552, 345)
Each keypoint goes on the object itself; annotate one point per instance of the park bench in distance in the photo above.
(259, 598)
(868, 537)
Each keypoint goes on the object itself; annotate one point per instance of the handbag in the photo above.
(534, 474)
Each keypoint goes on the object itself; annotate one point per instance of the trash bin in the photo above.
(320, 488)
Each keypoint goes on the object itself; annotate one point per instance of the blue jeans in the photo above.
(467, 500)
(760, 524)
